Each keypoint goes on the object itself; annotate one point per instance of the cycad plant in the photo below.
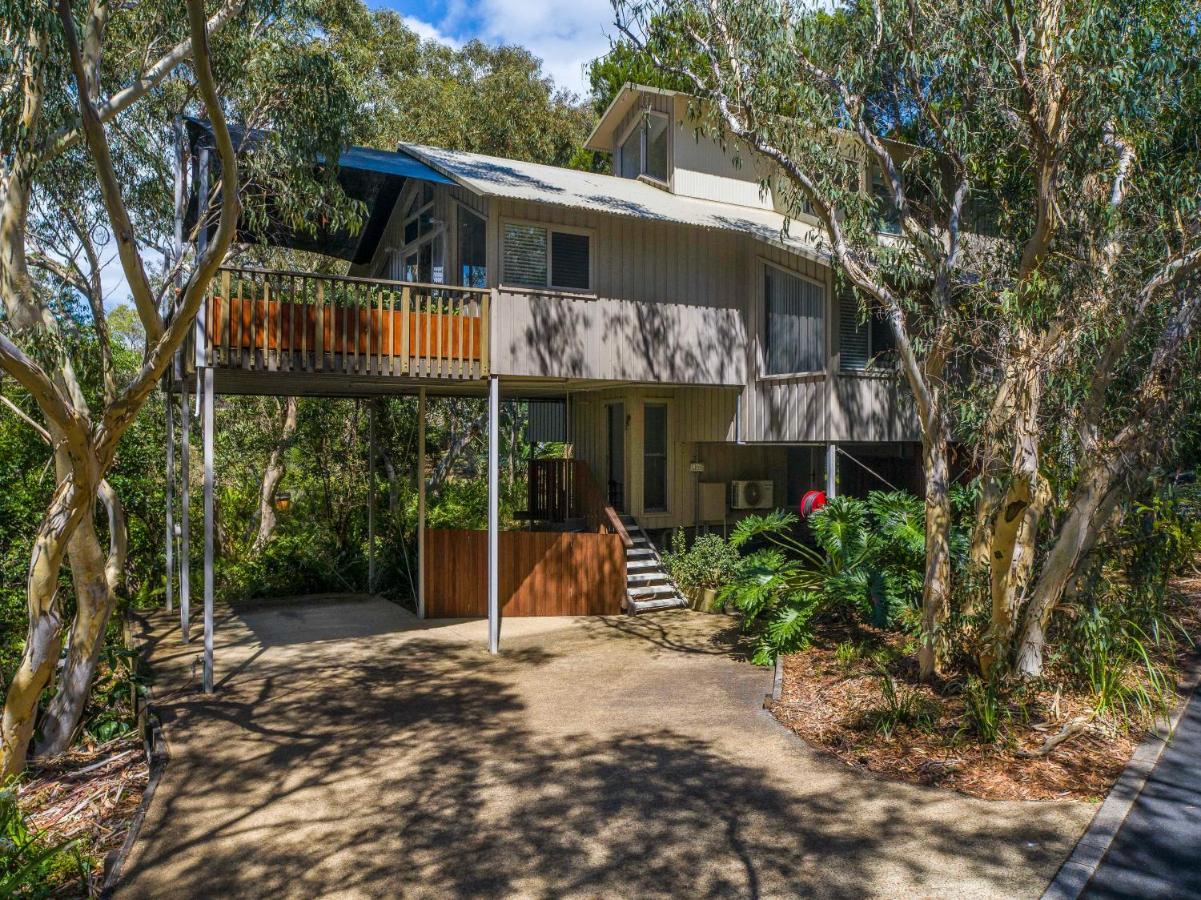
(868, 556)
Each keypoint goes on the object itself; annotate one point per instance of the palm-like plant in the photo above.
(868, 556)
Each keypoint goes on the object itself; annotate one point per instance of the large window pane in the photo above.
(795, 320)
(569, 260)
(631, 154)
(654, 466)
(473, 250)
(525, 255)
(656, 147)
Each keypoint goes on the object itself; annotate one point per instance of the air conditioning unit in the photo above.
(752, 494)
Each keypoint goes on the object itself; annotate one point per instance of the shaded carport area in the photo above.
(351, 749)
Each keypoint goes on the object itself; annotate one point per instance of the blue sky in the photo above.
(565, 35)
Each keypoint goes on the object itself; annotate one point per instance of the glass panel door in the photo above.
(615, 488)
(654, 458)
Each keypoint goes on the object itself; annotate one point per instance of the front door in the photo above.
(617, 455)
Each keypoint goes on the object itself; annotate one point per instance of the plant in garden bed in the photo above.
(30, 866)
(707, 565)
(868, 561)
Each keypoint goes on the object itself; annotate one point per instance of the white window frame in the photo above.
(639, 122)
(550, 286)
(760, 277)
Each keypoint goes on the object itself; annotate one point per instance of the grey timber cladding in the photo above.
(666, 305)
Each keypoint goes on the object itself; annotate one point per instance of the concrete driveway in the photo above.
(353, 751)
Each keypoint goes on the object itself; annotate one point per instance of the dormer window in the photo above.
(643, 150)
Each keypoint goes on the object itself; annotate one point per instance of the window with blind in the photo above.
(862, 344)
(794, 319)
(535, 256)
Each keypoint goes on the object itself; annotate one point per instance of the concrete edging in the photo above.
(1078, 869)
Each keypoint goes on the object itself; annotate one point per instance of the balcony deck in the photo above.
(267, 328)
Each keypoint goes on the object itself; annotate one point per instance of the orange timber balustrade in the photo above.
(279, 321)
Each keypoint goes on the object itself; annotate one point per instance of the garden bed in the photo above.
(87, 799)
(836, 696)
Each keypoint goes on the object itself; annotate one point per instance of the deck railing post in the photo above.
(420, 498)
(207, 426)
(170, 492)
(185, 516)
(493, 514)
(831, 470)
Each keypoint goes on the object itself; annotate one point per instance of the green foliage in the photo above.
(111, 709)
(708, 564)
(984, 709)
(1117, 630)
(29, 867)
(902, 707)
(868, 560)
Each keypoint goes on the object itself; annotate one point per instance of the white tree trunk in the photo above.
(97, 579)
(1093, 502)
(936, 591)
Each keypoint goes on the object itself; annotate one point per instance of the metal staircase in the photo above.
(648, 586)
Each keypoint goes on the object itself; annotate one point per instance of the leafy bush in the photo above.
(869, 558)
(709, 563)
(1115, 633)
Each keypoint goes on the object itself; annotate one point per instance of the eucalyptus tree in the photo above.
(89, 94)
(819, 99)
(1073, 125)
(1089, 304)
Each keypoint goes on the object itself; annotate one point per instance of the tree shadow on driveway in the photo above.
(414, 768)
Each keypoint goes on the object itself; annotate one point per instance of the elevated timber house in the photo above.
(684, 342)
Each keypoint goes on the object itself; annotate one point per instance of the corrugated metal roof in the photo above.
(497, 177)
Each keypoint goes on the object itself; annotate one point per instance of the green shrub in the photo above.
(708, 564)
(984, 709)
(869, 559)
(902, 707)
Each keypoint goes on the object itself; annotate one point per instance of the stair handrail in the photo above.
(593, 507)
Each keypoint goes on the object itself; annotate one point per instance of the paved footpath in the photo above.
(1157, 850)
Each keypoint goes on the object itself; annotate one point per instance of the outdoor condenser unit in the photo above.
(752, 494)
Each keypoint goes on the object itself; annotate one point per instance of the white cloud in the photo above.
(428, 32)
(565, 36)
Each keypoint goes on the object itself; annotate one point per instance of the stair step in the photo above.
(673, 602)
(646, 579)
(651, 591)
(649, 565)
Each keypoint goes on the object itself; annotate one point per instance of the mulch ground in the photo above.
(88, 796)
(833, 704)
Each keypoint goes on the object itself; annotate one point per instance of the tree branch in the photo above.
(150, 78)
(121, 412)
(110, 188)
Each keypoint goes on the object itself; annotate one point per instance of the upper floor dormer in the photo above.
(655, 136)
